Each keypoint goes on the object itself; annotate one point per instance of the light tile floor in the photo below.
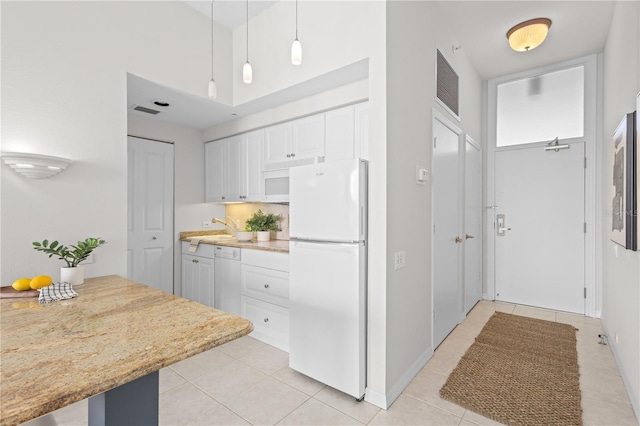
(248, 382)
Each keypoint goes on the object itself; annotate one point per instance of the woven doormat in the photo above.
(520, 371)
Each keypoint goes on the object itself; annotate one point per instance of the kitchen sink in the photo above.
(222, 237)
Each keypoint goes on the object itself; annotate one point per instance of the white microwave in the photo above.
(275, 186)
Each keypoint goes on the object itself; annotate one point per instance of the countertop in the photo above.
(115, 331)
(281, 246)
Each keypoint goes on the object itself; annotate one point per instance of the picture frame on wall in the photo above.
(623, 188)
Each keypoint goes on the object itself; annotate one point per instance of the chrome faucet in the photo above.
(233, 227)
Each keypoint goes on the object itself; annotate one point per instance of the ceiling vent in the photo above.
(447, 85)
(146, 110)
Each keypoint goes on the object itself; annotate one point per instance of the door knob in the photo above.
(467, 236)
(266, 286)
(458, 240)
(154, 238)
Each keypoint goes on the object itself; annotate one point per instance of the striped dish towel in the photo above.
(56, 291)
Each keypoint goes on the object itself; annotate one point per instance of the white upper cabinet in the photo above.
(361, 141)
(339, 134)
(277, 145)
(253, 143)
(233, 168)
(293, 142)
(215, 168)
(308, 137)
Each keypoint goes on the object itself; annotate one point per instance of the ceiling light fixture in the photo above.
(247, 72)
(529, 34)
(35, 165)
(213, 89)
(296, 47)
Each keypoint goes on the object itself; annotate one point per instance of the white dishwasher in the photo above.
(227, 279)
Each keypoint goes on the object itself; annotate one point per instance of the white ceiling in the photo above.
(230, 13)
(579, 28)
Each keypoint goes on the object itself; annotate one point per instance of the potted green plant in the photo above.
(73, 273)
(262, 224)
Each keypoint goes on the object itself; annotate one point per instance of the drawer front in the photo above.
(270, 322)
(265, 284)
(266, 259)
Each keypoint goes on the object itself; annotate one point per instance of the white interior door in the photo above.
(472, 224)
(150, 213)
(539, 259)
(447, 292)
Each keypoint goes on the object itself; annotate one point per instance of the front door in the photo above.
(150, 213)
(472, 224)
(539, 227)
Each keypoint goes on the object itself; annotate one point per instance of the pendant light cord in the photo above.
(211, 39)
(247, 30)
(296, 19)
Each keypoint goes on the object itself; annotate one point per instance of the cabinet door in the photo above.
(189, 276)
(197, 279)
(339, 134)
(215, 166)
(277, 145)
(205, 281)
(362, 130)
(253, 148)
(235, 169)
(308, 137)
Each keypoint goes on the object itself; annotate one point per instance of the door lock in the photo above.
(458, 240)
(502, 229)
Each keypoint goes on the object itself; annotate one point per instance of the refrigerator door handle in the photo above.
(309, 240)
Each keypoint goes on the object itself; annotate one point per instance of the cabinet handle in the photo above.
(154, 238)
(288, 155)
(223, 197)
(266, 286)
(266, 320)
(293, 155)
(195, 260)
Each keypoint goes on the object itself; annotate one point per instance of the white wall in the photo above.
(414, 29)
(190, 210)
(64, 68)
(621, 268)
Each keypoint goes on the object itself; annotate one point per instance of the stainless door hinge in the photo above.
(434, 142)
(585, 162)
(585, 227)
(585, 292)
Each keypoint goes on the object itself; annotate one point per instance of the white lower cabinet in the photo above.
(198, 274)
(264, 279)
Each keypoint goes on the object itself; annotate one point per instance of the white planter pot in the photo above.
(72, 275)
(264, 235)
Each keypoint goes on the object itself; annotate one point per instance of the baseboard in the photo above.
(384, 401)
(635, 402)
(598, 314)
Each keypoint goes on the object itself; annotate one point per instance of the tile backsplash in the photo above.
(241, 212)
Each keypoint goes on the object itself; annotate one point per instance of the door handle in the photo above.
(467, 236)
(502, 229)
(154, 238)
(458, 240)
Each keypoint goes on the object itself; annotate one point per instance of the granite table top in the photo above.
(115, 331)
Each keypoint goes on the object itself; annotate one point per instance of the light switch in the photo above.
(422, 175)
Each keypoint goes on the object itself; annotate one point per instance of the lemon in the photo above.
(22, 284)
(40, 281)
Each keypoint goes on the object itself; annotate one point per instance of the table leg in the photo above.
(134, 403)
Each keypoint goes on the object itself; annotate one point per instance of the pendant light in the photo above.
(529, 34)
(296, 47)
(247, 72)
(213, 89)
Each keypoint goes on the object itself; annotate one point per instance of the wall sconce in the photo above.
(35, 165)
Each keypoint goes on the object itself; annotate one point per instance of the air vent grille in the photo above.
(448, 84)
(147, 110)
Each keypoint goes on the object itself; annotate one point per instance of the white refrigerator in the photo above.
(328, 264)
